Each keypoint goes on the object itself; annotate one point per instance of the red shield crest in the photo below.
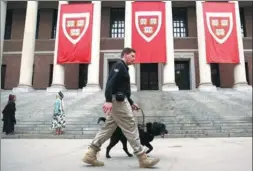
(220, 25)
(75, 25)
(148, 24)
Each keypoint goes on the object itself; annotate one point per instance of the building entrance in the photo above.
(247, 72)
(149, 76)
(83, 72)
(215, 74)
(182, 75)
(3, 73)
(110, 64)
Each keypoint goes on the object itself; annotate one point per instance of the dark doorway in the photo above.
(182, 75)
(83, 72)
(33, 73)
(51, 69)
(247, 72)
(110, 64)
(149, 76)
(215, 74)
(3, 73)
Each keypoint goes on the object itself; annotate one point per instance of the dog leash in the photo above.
(143, 117)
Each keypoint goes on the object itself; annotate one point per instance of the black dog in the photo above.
(153, 129)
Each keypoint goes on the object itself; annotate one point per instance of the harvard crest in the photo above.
(75, 25)
(220, 25)
(148, 24)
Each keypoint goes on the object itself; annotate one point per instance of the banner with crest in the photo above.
(75, 33)
(148, 32)
(220, 32)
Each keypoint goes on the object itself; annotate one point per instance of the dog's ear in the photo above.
(149, 127)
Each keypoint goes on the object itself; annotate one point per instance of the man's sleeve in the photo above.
(128, 94)
(130, 100)
(115, 71)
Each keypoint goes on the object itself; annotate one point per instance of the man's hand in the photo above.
(107, 107)
(135, 107)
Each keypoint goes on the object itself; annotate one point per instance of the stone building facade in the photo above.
(30, 60)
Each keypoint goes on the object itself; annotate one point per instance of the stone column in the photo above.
(3, 19)
(240, 82)
(204, 68)
(27, 58)
(93, 68)
(169, 67)
(58, 71)
(128, 41)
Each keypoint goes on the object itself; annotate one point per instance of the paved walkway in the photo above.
(222, 154)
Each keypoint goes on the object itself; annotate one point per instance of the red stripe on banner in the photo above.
(148, 32)
(75, 33)
(220, 32)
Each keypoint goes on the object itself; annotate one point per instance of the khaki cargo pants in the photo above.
(121, 116)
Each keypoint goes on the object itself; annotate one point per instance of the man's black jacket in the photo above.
(118, 81)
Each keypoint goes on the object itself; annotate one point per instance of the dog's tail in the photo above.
(101, 119)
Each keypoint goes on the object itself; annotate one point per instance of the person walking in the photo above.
(119, 108)
(58, 117)
(9, 119)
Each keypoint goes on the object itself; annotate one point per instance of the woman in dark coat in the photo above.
(9, 115)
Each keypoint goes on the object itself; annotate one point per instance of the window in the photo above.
(38, 25)
(117, 24)
(54, 24)
(242, 17)
(180, 22)
(8, 24)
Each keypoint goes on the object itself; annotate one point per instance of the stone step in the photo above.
(186, 125)
(168, 126)
(91, 136)
(46, 136)
(185, 113)
(163, 119)
(182, 125)
(172, 130)
(49, 132)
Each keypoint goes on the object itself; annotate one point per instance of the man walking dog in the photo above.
(119, 106)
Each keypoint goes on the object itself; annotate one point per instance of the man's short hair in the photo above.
(127, 51)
